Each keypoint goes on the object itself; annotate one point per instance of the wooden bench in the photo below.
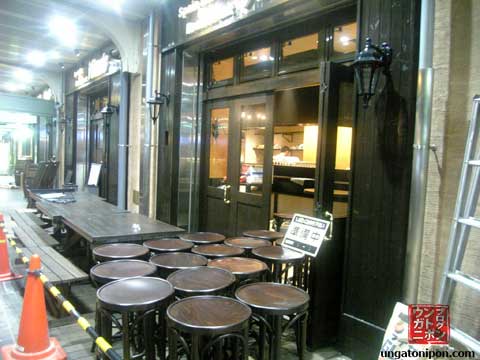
(29, 232)
(60, 271)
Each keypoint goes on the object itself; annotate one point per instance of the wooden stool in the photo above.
(109, 271)
(270, 303)
(280, 218)
(208, 321)
(245, 269)
(280, 260)
(200, 238)
(213, 251)
(140, 301)
(247, 243)
(170, 262)
(201, 281)
(269, 235)
(161, 246)
(119, 251)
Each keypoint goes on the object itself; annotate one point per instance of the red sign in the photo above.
(428, 324)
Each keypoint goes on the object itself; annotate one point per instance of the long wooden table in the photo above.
(99, 222)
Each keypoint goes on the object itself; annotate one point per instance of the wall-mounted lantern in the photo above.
(155, 103)
(367, 67)
(107, 112)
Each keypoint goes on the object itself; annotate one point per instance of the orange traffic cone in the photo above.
(5, 272)
(33, 341)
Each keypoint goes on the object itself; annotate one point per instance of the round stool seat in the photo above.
(264, 234)
(118, 269)
(170, 262)
(278, 254)
(134, 294)
(167, 245)
(121, 251)
(273, 298)
(217, 250)
(201, 281)
(202, 237)
(208, 314)
(247, 243)
(239, 266)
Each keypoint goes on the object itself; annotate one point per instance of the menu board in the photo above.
(306, 234)
(94, 174)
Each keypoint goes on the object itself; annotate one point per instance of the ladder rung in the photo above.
(470, 221)
(465, 279)
(474, 162)
(465, 339)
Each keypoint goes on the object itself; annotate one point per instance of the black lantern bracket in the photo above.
(368, 64)
(107, 111)
(155, 102)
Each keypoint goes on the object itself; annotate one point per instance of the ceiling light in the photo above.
(36, 58)
(53, 54)
(23, 75)
(115, 5)
(64, 29)
(14, 86)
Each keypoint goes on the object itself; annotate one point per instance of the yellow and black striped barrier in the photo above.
(102, 344)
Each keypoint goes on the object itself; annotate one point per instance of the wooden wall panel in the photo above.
(377, 236)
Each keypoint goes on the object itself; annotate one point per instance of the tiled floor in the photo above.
(75, 342)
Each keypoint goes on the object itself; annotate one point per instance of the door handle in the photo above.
(329, 216)
(226, 200)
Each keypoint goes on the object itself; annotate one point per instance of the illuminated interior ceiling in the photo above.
(25, 28)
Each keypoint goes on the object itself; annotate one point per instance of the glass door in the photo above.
(215, 213)
(252, 164)
(237, 165)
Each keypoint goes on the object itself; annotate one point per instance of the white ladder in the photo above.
(464, 220)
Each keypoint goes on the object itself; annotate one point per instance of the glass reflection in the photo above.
(253, 120)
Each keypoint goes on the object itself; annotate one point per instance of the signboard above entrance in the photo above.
(202, 16)
(306, 234)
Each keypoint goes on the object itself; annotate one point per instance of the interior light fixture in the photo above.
(36, 58)
(23, 75)
(155, 102)
(64, 29)
(344, 40)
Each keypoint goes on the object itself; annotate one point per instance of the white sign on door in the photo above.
(306, 234)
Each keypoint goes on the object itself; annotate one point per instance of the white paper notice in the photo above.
(305, 234)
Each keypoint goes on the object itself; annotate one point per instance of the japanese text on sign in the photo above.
(305, 234)
(429, 324)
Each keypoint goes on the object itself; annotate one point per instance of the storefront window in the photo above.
(256, 64)
(344, 40)
(222, 71)
(218, 146)
(299, 53)
(253, 121)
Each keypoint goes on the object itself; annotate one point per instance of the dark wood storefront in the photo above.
(358, 276)
(91, 137)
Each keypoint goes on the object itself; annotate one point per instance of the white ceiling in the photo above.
(24, 27)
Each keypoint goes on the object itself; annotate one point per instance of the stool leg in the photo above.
(126, 336)
(162, 326)
(277, 271)
(303, 337)
(148, 330)
(245, 344)
(262, 333)
(172, 344)
(195, 348)
(277, 337)
(106, 329)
